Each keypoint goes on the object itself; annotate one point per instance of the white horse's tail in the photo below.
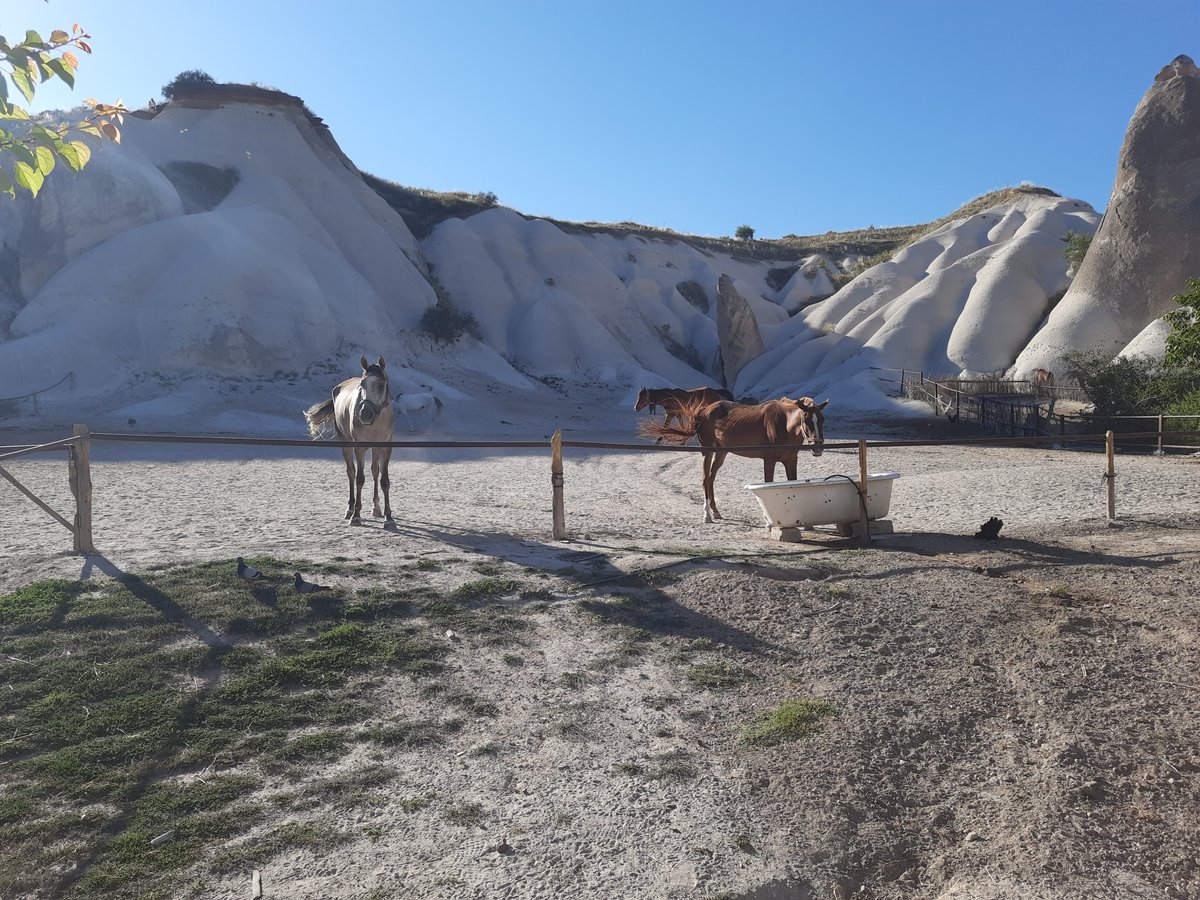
(320, 419)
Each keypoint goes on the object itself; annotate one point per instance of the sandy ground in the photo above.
(1016, 718)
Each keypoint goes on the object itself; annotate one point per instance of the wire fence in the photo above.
(78, 449)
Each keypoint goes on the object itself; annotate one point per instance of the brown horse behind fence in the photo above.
(675, 400)
(1042, 381)
(783, 424)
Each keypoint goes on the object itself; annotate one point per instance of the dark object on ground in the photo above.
(248, 572)
(307, 587)
(990, 530)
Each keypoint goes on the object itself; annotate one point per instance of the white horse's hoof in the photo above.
(355, 521)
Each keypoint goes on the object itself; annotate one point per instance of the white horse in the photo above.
(417, 403)
(360, 410)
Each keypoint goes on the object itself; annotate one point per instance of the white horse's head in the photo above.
(373, 393)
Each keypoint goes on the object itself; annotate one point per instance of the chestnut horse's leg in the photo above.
(348, 454)
(768, 468)
(712, 462)
(789, 465)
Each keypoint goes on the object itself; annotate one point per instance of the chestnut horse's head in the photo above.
(373, 394)
(807, 422)
(643, 401)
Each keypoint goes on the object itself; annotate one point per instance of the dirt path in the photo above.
(1015, 718)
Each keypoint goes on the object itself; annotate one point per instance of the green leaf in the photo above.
(13, 111)
(45, 160)
(20, 77)
(28, 177)
(32, 37)
(75, 154)
(23, 154)
(63, 71)
(6, 184)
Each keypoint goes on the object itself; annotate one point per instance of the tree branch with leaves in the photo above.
(30, 152)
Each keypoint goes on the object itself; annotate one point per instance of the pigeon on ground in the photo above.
(990, 530)
(307, 587)
(248, 572)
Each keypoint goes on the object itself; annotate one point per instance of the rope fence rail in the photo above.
(78, 448)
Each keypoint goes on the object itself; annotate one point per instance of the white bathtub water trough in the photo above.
(823, 501)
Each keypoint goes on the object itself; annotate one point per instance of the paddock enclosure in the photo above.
(155, 502)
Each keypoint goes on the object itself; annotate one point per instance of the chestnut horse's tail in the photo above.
(693, 418)
(320, 419)
(672, 434)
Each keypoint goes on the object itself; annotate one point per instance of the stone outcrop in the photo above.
(737, 329)
(1148, 244)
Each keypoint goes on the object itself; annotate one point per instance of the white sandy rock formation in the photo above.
(1147, 246)
(964, 299)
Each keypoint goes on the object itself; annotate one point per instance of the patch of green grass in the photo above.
(514, 660)
(485, 589)
(425, 564)
(414, 804)
(421, 733)
(839, 590)
(790, 721)
(465, 814)
(323, 746)
(574, 680)
(257, 851)
(488, 567)
(718, 676)
(116, 690)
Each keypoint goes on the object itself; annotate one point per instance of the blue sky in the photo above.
(791, 117)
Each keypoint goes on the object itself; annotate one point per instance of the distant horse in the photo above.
(675, 400)
(1042, 381)
(415, 403)
(784, 424)
(360, 410)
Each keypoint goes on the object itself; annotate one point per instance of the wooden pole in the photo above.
(1160, 435)
(1110, 476)
(862, 489)
(556, 481)
(80, 473)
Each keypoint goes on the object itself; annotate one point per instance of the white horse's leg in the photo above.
(375, 510)
(360, 477)
(348, 453)
(385, 455)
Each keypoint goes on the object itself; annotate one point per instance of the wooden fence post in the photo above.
(556, 481)
(1110, 476)
(79, 470)
(1159, 451)
(862, 489)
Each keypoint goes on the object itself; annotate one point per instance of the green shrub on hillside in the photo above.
(1183, 343)
(1076, 249)
(445, 324)
(190, 78)
(1128, 385)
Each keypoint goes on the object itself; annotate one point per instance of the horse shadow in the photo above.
(593, 571)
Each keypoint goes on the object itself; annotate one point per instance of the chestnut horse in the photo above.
(1042, 380)
(675, 400)
(783, 424)
(360, 410)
